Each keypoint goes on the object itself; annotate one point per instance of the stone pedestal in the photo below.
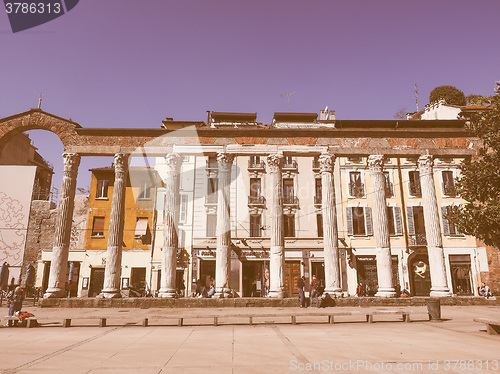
(330, 232)
(57, 278)
(381, 227)
(113, 268)
(170, 224)
(223, 229)
(439, 282)
(277, 256)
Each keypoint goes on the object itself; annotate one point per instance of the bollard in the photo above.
(434, 309)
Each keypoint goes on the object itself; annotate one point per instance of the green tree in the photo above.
(478, 100)
(479, 182)
(450, 94)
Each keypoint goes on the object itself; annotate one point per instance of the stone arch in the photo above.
(37, 119)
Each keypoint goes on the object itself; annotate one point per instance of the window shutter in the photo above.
(368, 221)
(446, 224)
(411, 223)
(348, 214)
(183, 214)
(397, 220)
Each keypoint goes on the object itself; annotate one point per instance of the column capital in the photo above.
(426, 162)
(173, 162)
(71, 161)
(326, 163)
(121, 163)
(376, 162)
(225, 158)
(275, 162)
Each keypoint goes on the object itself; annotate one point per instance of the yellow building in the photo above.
(137, 237)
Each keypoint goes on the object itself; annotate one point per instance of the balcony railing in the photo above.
(315, 165)
(290, 165)
(256, 200)
(290, 200)
(417, 240)
(256, 165)
(317, 200)
(357, 189)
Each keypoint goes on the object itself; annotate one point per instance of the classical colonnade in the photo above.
(56, 285)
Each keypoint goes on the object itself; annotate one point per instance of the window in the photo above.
(255, 187)
(388, 185)
(416, 225)
(255, 226)
(102, 189)
(394, 220)
(145, 191)
(449, 228)
(319, 225)
(289, 222)
(98, 227)
(448, 183)
(356, 187)
(254, 160)
(211, 225)
(288, 187)
(142, 231)
(415, 189)
(211, 191)
(359, 221)
(183, 212)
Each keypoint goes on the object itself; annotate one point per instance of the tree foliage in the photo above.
(450, 94)
(478, 100)
(479, 182)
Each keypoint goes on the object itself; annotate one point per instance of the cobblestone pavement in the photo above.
(350, 346)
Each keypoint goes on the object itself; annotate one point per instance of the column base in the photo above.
(440, 293)
(337, 292)
(53, 293)
(387, 292)
(110, 294)
(166, 293)
(277, 294)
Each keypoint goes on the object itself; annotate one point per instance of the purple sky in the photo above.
(131, 63)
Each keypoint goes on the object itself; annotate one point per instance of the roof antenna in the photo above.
(40, 101)
(287, 95)
(415, 95)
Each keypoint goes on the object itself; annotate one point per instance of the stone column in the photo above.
(381, 227)
(170, 226)
(223, 229)
(439, 282)
(56, 286)
(113, 268)
(330, 233)
(277, 257)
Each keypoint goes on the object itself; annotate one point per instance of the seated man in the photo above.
(485, 290)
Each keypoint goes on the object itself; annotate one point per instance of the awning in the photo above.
(141, 227)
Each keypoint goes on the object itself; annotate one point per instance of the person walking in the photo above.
(301, 284)
(314, 291)
(15, 303)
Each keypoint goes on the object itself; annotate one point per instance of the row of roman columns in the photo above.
(56, 285)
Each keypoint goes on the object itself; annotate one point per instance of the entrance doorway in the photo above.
(137, 282)
(96, 281)
(420, 275)
(46, 274)
(461, 276)
(253, 278)
(292, 275)
(207, 272)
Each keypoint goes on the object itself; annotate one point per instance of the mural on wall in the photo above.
(16, 187)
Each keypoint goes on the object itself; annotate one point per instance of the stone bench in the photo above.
(30, 321)
(102, 320)
(405, 315)
(251, 317)
(492, 326)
